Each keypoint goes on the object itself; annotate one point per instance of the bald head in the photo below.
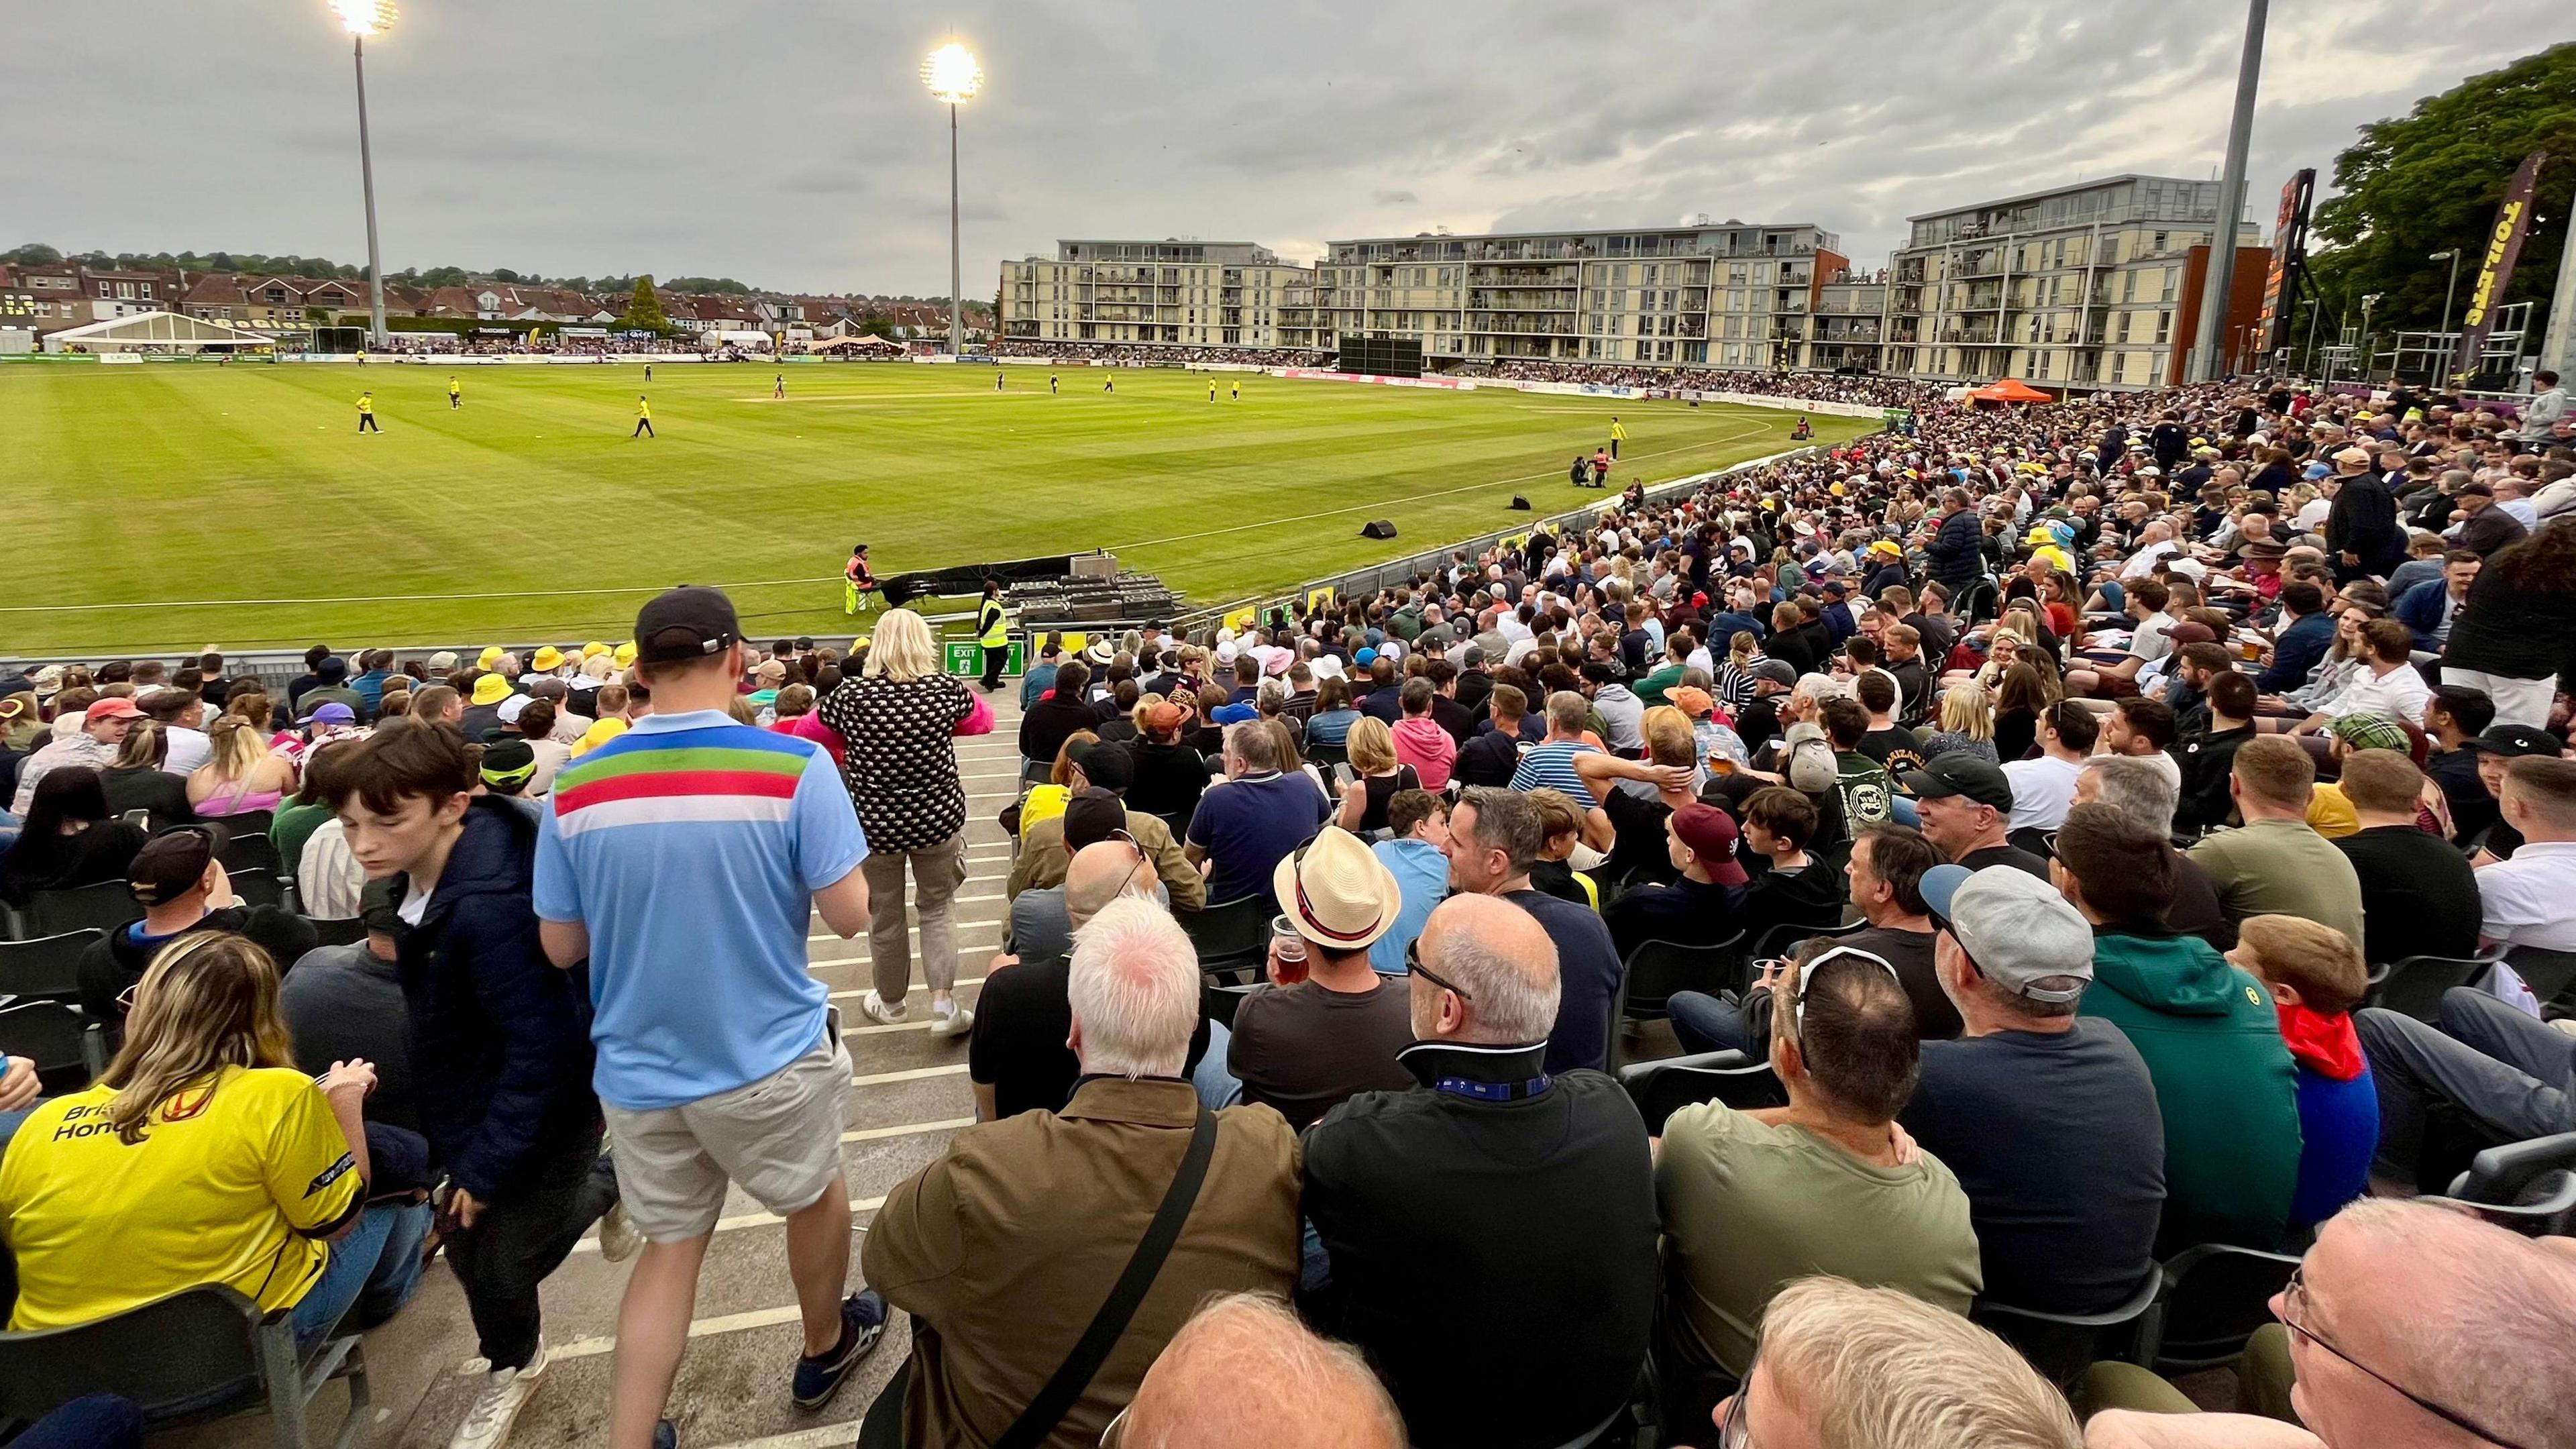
(1504, 968)
(1245, 1374)
(1092, 878)
(2445, 1306)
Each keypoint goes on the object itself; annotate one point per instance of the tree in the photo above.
(644, 309)
(33, 254)
(2431, 179)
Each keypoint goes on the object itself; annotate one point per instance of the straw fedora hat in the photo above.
(1336, 891)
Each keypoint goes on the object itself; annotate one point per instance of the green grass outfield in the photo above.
(168, 484)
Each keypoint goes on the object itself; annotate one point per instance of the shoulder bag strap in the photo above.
(1074, 1375)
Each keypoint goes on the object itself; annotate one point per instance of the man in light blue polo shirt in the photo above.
(1549, 764)
(681, 860)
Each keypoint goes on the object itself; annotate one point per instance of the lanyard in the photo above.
(1492, 1091)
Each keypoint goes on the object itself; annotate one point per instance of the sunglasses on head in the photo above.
(1413, 963)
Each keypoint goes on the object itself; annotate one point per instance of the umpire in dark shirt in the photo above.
(1489, 1234)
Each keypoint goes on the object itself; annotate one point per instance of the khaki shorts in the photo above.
(779, 1137)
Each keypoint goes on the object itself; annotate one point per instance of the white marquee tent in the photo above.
(156, 332)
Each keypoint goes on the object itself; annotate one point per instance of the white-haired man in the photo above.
(1841, 1364)
(2409, 1326)
(1245, 1374)
(1009, 1244)
(1491, 1193)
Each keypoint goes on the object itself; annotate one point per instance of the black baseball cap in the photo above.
(172, 863)
(1961, 773)
(1107, 764)
(1090, 817)
(2513, 741)
(380, 908)
(689, 622)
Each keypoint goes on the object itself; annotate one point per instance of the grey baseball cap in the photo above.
(2019, 931)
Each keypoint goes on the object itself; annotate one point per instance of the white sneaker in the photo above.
(947, 1018)
(504, 1392)
(877, 1010)
(619, 1238)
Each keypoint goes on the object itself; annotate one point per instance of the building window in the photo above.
(2164, 327)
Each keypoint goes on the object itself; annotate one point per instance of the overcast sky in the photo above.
(789, 143)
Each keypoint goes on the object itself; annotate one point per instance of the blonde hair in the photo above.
(1557, 812)
(901, 650)
(234, 748)
(1882, 1367)
(1370, 746)
(1739, 650)
(208, 1001)
(1966, 709)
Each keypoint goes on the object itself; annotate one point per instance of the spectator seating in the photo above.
(47, 967)
(2062, 1345)
(47, 1033)
(258, 888)
(198, 1354)
(1231, 936)
(345, 932)
(1783, 938)
(2529, 1187)
(1655, 970)
(2215, 1296)
(250, 852)
(2414, 986)
(101, 907)
(2547, 973)
(1661, 1088)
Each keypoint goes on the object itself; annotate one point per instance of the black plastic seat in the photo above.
(1662, 1088)
(1231, 935)
(2414, 986)
(2215, 1296)
(101, 907)
(200, 1353)
(2062, 1345)
(48, 966)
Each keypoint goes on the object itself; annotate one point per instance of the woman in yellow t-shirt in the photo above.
(203, 1156)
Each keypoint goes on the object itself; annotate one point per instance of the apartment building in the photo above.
(2096, 284)
(1847, 329)
(1724, 294)
(1176, 292)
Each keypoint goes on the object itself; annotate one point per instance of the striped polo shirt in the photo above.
(690, 847)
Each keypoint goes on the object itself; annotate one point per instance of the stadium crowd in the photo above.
(1886, 392)
(1151, 355)
(2075, 846)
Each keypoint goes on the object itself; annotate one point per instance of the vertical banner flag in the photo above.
(2289, 259)
(2495, 265)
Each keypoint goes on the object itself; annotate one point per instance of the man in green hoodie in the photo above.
(2225, 1085)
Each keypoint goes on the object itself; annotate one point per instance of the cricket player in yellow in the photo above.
(643, 419)
(367, 413)
(1618, 435)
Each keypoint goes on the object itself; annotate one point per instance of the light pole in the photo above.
(2207, 347)
(362, 18)
(2368, 301)
(2453, 257)
(953, 76)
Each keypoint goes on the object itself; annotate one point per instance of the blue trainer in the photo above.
(818, 1376)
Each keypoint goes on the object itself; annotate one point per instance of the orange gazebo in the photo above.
(2009, 390)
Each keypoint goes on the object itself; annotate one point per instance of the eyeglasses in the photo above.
(1734, 1431)
(1141, 858)
(2294, 1309)
(1413, 963)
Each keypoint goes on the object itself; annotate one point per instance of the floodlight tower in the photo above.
(953, 76)
(362, 18)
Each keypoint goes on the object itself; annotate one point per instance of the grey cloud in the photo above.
(673, 144)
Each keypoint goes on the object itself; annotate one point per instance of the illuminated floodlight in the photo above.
(365, 17)
(950, 72)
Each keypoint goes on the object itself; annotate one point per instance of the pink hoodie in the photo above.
(1423, 744)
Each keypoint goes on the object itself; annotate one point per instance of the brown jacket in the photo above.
(1043, 857)
(1004, 1248)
